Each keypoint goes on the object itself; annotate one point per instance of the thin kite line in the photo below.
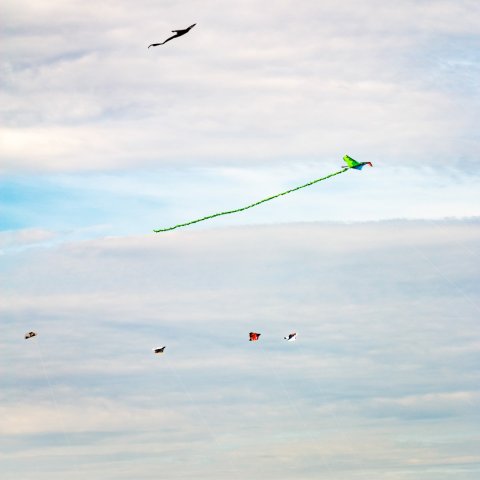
(228, 212)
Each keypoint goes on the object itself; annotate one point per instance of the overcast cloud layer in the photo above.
(283, 82)
(382, 382)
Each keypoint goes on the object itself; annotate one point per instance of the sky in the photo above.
(103, 140)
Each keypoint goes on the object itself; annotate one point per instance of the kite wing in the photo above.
(158, 350)
(30, 335)
(254, 336)
(291, 337)
(352, 163)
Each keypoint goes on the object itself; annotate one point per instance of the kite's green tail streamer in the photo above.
(252, 205)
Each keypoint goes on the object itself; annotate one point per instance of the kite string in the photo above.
(336, 422)
(453, 283)
(228, 212)
(293, 406)
(197, 411)
(445, 277)
(280, 381)
(54, 401)
(438, 226)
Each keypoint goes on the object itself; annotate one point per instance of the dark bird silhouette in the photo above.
(178, 33)
(158, 350)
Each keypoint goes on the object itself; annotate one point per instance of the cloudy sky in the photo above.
(103, 140)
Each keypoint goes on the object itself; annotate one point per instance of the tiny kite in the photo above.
(351, 163)
(159, 350)
(30, 335)
(291, 337)
(354, 164)
(254, 336)
(178, 33)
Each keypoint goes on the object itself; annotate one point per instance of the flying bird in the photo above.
(291, 337)
(30, 335)
(158, 350)
(178, 33)
(254, 336)
(351, 163)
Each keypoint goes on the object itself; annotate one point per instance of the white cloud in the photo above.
(248, 86)
(92, 415)
(22, 238)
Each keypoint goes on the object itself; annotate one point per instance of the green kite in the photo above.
(354, 164)
(351, 163)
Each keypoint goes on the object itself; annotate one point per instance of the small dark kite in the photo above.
(178, 33)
